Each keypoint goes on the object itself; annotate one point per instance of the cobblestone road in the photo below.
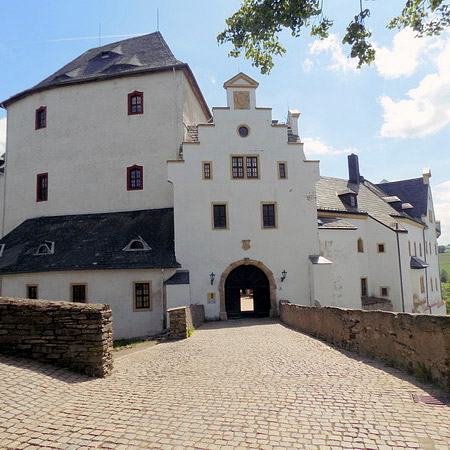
(235, 384)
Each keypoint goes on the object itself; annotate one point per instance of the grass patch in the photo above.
(444, 262)
(190, 331)
(423, 373)
(120, 344)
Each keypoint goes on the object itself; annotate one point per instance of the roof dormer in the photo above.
(241, 92)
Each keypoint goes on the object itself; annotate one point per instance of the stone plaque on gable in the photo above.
(241, 100)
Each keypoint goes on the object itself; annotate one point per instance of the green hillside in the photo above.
(444, 261)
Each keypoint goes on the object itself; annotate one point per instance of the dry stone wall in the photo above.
(417, 343)
(75, 335)
(184, 318)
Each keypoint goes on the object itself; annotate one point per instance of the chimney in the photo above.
(293, 115)
(426, 174)
(353, 169)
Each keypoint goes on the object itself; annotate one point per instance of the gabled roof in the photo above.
(369, 202)
(91, 242)
(147, 53)
(241, 80)
(412, 191)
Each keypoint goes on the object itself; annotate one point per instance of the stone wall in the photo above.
(417, 343)
(376, 304)
(183, 319)
(75, 335)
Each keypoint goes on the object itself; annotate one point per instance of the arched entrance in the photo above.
(247, 283)
(247, 293)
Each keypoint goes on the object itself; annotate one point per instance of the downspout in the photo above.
(400, 268)
(426, 270)
(164, 300)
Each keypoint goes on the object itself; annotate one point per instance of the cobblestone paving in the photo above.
(236, 384)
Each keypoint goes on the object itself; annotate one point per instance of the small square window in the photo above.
(269, 215)
(41, 118)
(381, 248)
(142, 295)
(220, 216)
(135, 103)
(384, 291)
(207, 170)
(282, 170)
(135, 178)
(32, 291)
(42, 187)
(78, 293)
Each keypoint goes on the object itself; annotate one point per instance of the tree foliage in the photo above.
(254, 29)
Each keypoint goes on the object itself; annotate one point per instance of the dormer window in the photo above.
(349, 198)
(135, 103)
(46, 248)
(137, 245)
(41, 118)
(104, 55)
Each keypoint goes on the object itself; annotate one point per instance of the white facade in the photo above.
(111, 287)
(90, 140)
(200, 247)
(266, 220)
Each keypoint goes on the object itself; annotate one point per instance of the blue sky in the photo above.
(395, 114)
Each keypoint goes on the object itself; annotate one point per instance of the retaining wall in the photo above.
(75, 335)
(183, 319)
(417, 343)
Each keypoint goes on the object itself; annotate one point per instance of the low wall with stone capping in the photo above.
(183, 319)
(417, 343)
(74, 335)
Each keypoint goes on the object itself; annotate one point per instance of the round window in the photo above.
(243, 131)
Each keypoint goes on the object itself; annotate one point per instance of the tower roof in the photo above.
(147, 53)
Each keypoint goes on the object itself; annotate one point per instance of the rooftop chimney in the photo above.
(426, 174)
(353, 169)
(293, 115)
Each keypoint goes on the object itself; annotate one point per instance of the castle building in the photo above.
(120, 186)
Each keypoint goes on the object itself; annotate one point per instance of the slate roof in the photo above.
(334, 223)
(412, 191)
(417, 263)
(91, 242)
(370, 201)
(179, 277)
(147, 53)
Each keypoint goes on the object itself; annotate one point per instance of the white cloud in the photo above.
(441, 194)
(2, 135)
(315, 146)
(339, 61)
(213, 80)
(307, 65)
(405, 55)
(427, 108)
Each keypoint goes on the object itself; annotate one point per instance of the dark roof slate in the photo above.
(417, 263)
(140, 54)
(91, 242)
(179, 277)
(333, 223)
(370, 200)
(412, 191)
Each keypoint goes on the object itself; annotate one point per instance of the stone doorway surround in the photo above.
(267, 272)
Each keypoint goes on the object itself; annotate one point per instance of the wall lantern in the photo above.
(283, 275)
(212, 276)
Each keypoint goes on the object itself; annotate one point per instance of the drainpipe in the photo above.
(426, 270)
(400, 268)
(164, 300)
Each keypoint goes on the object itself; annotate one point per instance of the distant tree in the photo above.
(254, 28)
(441, 248)
(445, 289)
(444, 276)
